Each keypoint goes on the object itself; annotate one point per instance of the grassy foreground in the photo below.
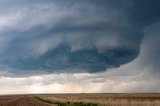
(102, 99)
(66, 103)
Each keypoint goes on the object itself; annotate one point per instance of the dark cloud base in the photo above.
(62, 58)
(89, 35)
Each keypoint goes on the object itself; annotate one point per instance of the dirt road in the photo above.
(21, 101)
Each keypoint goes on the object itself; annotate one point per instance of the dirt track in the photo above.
(21, 101)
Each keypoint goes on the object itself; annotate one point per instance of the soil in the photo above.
(21, 101)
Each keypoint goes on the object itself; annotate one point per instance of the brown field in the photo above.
(147, 99)
(21, 101)
(136, 99)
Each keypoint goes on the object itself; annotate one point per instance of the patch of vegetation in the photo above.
(66, 103)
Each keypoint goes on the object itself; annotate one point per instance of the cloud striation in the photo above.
(72, 36)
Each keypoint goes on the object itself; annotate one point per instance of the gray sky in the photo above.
(112, 45)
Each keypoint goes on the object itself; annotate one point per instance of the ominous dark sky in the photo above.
(75, 46)
(74, 35)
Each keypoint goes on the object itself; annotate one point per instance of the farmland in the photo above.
(83, 99)
(136, 99)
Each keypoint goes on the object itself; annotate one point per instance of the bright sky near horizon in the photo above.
(78, 46)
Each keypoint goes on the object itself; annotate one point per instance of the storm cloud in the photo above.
(75, 46)
(72, 36)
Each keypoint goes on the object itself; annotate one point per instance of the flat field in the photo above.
(104, 99)
(84, 99)
(21, 100)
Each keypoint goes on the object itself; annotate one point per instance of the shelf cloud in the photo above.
(72, 35)
(107, 37)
